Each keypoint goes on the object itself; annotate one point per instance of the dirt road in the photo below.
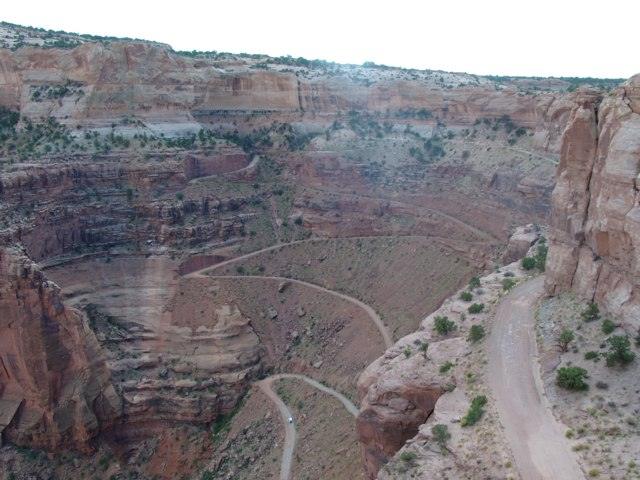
(536, 438)
(266, 386)
(375, 318)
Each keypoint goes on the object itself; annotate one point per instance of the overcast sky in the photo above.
(502, 37)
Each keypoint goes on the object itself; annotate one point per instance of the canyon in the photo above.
(209, 261)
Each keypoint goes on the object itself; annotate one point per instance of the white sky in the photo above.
(533, 37)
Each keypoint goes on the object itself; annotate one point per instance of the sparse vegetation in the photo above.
(474, 283)
(591, 313)
(541, 256)
(476, 333)
(528, 263)
(572, 378)
(565, 338)
(441, 436)
(466, 296)
(424, 346)
(595, 356)
(444, 368)
(443, 325)
(508, 284)
(619, 351)
(607, 326)
(475, 411)
(408, 456)
(476, 307)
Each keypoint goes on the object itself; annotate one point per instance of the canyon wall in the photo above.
(595, 219)
(98, 84)
(55, 389)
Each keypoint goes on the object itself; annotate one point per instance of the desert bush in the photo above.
(466, 296)
(591, 313)
(592, 356)
(607, 326)
(619, 351)
(444, 368)
(476, 333)
(572, 378)
(443, 325)
(424, 346)
(441, 436)
(564, 339)
(541, 257)
(508, 284)
(474, 283)
(475, 411)
(476, 307)
(408, 457)
(528, 263)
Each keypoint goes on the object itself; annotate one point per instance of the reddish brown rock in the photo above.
(55, 389)
(595, 221)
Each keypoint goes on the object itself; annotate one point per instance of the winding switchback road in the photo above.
(372, 314)
(536, 438)
(266, 386)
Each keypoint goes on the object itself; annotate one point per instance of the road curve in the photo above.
(536, 438)
(289, 428)
(351, 408)
(278, 246)
(266, 384)
(375, 318)
(289, 446)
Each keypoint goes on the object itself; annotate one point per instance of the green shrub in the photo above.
(591, 313)
(608, 326)
(476, 333)
(541, 257)
(572, 378)
(441, 436)
(443, 325)
(528, 263)
(476, 308)
(592, 356)
(508, 284)
(474, 283)
(408, 457)
(446, 367)
(475, 411)
(466, 296)
(424, 346)
(619, 351)
(565, 338)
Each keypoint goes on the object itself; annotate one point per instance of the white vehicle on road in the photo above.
(290, 419)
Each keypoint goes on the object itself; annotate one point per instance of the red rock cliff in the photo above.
(55, 389)
(595, 221)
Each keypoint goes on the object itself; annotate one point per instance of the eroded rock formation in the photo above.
(595, 221)
(55, 388)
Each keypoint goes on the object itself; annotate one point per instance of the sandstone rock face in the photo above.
(595, 221)
(393, 406)
(172, 92)
(55, 389)
(520, 242)
(400, 390)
